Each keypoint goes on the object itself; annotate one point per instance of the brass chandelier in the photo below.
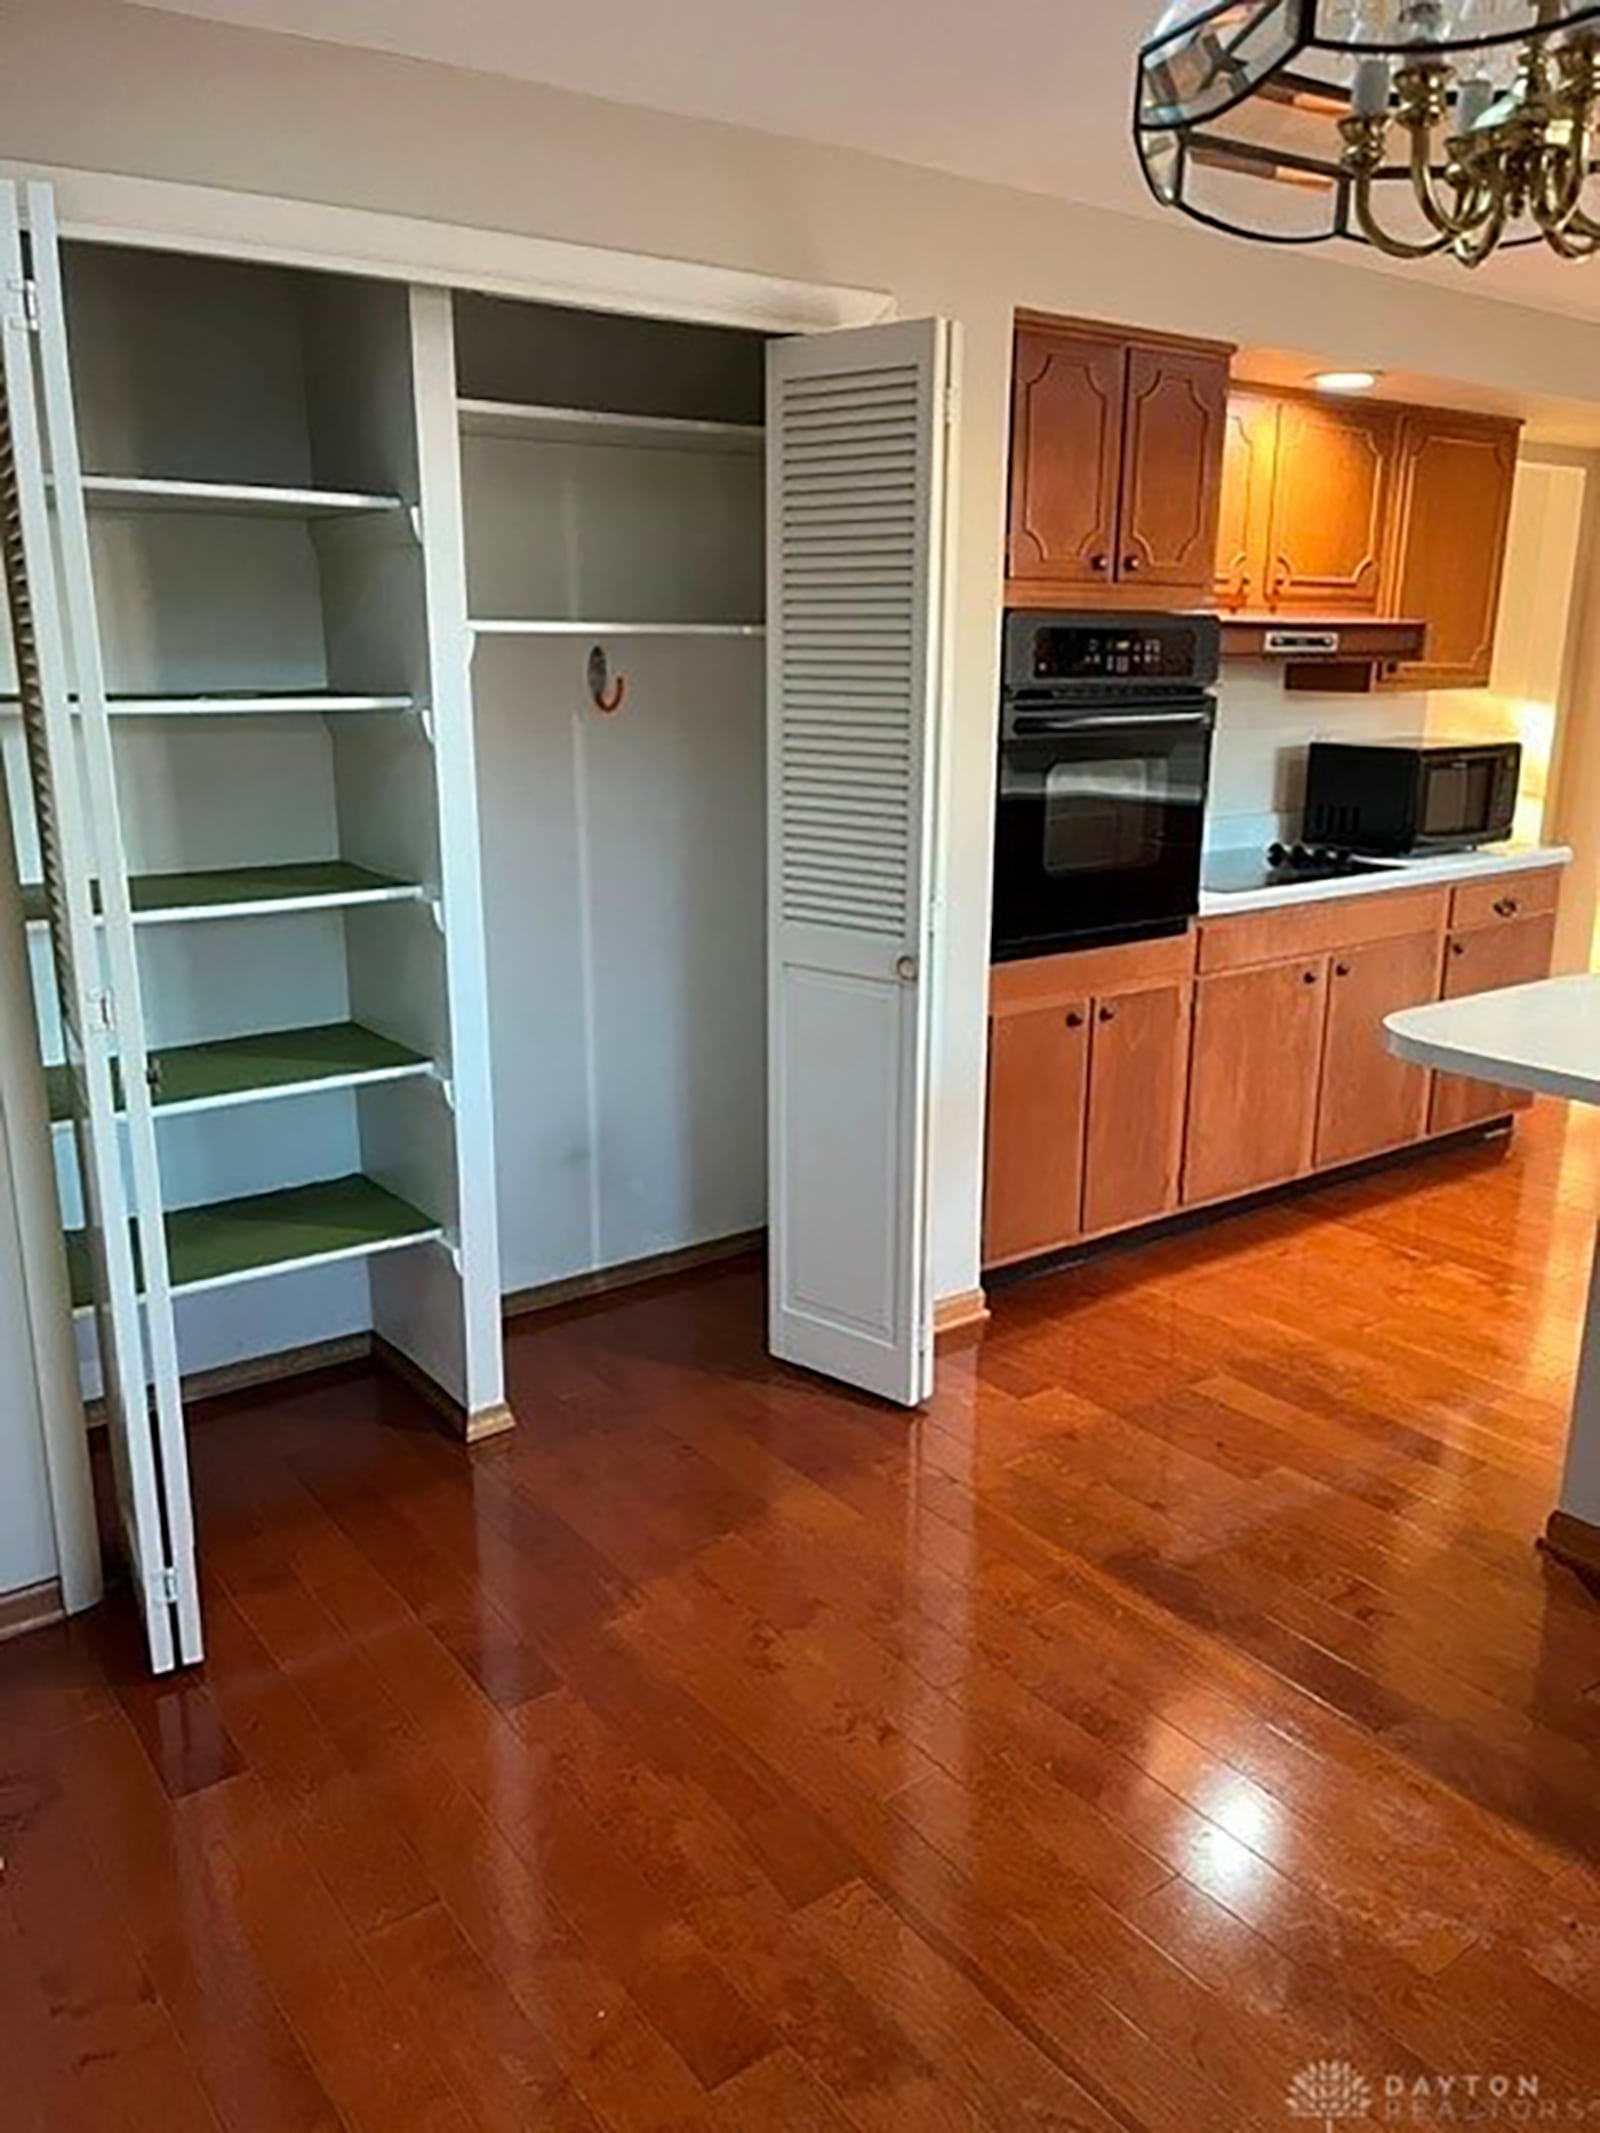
(1416, 126)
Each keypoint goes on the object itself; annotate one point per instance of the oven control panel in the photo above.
(1055, 648)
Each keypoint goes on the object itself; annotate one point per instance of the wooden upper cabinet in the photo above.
(1067, 399)
(1138, 1067)
(1253, 1077)
(1249, 454)
(1038, 1084)
(1330, 506)
(1452, 504)
(1370, 1100)
(1116, 463)
(1177, 408)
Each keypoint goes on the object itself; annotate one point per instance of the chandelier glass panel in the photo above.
(1417, 126)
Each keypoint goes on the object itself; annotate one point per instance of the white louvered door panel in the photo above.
(177, 1580)
(33, 591)
(857, 454)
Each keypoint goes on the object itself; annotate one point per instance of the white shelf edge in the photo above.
(151, 492)
(275, 1092)
(372, 1250)
(490, 627)
(266, 704)
(585, 425)
(277, 906)
(267, 907)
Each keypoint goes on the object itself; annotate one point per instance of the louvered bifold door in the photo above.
(106, 1253)
(857, 450)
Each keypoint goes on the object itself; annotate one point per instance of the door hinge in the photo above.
(103, 1012)
(164, 1586)
(952, 405)
(30, 303)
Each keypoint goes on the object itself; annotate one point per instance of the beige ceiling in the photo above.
(1030, 93)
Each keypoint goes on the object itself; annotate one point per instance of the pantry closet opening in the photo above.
(613, 502)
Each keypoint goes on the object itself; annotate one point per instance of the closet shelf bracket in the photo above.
(435, 906)
(447, 1087)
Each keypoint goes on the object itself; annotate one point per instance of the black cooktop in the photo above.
(1231, 873)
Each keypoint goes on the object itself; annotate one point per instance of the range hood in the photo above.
(1280, 636)
(1329, 652)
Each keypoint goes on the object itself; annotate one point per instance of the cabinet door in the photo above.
(1138, 1069)
(1330, 505)
(1513, 953)
(1370, 1100)
(1066, 457)
(1452, 505)
(1038, 1082)
(1171, 468)
(1248, 453)
(1253, 1077)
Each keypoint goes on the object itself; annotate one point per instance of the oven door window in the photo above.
(1098, 831)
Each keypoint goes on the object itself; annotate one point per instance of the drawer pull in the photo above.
(1506, 907)
(1074, 1019)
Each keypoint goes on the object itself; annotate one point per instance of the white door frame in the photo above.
(158, 214)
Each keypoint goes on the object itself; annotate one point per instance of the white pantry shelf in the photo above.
(241, 703)
(583, 425)
(483, 626)
(246, 892)
(139, 492)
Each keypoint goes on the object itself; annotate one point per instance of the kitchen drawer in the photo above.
(1054, 980)
(1312, 929)
(1504, 897)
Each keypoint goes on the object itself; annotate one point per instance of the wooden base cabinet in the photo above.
(1253, 1077)
(1138, 1063)
(1038, 1093)
(1370, 1101)
(1513, 952)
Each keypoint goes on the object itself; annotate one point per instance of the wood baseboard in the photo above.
(256, 1370)
(577, 1288)
(959, 1313)
(30, 1607)
(470, 1428)
(1573, 1541)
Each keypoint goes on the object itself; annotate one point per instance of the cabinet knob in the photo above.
(1308, 977)
(1458, 947)
(1131, 563)
(1341, 970)
(1108, 1014)
(905, 968)
(1074, 1019)
(1506, 907)
(1099, 562)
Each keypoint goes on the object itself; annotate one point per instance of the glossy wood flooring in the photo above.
(1179, 1702)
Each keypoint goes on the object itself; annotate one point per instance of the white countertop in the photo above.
(1544, 1037)
(1396, 874)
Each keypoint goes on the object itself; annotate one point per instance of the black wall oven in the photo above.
(1105, 749)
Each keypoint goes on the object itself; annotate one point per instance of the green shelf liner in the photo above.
(270, 1229)
(240, 1066)
(219, 887)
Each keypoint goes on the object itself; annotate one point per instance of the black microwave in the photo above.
(1391, 797)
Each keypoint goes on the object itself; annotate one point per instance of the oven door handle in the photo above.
(1042, 727)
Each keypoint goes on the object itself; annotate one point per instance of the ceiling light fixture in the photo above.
(1345, 381)
(1415, 126)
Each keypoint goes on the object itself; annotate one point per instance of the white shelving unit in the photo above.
(256, 714)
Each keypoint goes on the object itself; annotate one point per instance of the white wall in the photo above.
(27, 1535)
(97, 85)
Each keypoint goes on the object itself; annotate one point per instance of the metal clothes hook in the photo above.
(607, 694)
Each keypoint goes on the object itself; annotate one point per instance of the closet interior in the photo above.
(612, 491)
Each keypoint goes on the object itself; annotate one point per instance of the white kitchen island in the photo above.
(1544, 1038)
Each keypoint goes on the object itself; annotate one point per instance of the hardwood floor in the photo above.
(1179, 1702)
